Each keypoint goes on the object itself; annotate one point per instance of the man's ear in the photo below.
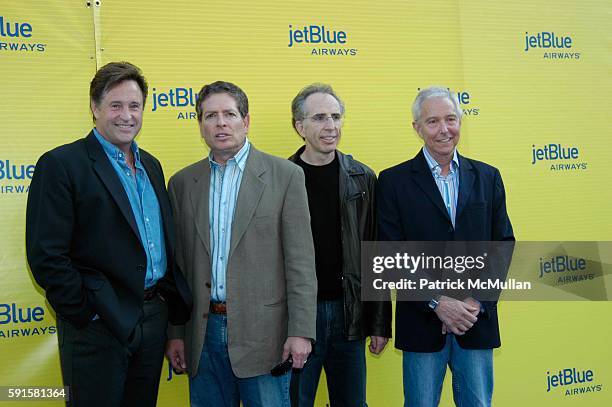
(94, 109)
(299, 127)
(415, 126)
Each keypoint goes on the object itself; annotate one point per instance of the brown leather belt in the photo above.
(218, 308)
(149, 293)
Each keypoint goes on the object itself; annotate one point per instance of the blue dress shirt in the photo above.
(224, 187)
(144, 205)
(447, 185)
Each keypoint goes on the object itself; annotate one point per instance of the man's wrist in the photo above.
(433, 303)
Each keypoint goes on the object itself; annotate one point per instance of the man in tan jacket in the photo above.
(245, 248)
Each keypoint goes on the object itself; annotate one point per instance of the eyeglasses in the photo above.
(323, 117)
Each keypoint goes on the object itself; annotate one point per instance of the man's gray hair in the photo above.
(297, 105)
(434, 92)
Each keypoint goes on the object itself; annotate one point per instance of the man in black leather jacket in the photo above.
(341, 194)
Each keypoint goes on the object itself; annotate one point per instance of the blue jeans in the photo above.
(215, 384)
(343, 361)
(472, 371)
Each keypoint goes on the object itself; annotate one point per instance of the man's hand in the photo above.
(456, 316)
(377, 344)
(474, 303)
(175, 353)
(299, 348)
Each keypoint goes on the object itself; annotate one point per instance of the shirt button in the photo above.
(221, 286)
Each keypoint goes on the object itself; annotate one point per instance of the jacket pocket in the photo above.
(277, 303)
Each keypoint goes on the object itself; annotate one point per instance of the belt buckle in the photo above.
(218, 308)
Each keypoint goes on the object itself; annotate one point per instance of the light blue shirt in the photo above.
(145, 207)
(224, 187)
(447, 185)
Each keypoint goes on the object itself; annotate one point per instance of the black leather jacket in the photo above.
(358, 221)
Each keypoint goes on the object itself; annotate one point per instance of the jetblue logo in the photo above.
(13, 31)
(15, 177)
(572, 376)
(9, 170)
(177, 97)
(556, 46)
(12, 313)
(20, 320)
(558, 152)
(327, 41)
(565, 270)
(561, 264)
(465, 101)
(547, 40)
(315, 34)
(8, 29)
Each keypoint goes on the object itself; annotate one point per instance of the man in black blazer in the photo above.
(440, 195)
(99, 242)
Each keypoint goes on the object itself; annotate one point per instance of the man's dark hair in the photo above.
(111, 75)
(242, 102)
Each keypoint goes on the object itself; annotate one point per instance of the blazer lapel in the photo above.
(110, 179)
(199, 201)
(424, 179)
(466, 183)
(251, 189)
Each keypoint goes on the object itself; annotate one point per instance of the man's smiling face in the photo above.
(439, 127)
(119, 114)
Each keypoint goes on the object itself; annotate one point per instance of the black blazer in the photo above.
(83, 244)
(410, 208)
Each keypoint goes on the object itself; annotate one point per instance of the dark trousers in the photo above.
(101, 371)
(343, 361)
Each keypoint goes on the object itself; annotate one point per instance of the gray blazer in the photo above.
(270, 282)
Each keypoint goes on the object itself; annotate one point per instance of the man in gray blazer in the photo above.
(245, 248)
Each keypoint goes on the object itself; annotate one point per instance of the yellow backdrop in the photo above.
(518, 92)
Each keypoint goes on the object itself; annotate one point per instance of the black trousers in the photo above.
(101, 371)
